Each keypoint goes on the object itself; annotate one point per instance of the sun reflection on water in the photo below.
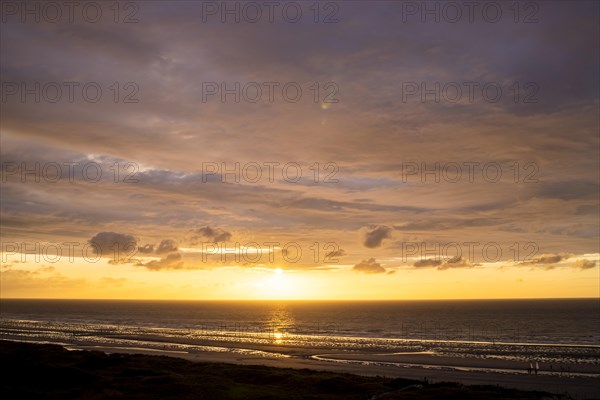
(280, 321)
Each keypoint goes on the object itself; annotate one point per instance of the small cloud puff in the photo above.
(585, 264)
(369, 266)
(171, 261)
(212, 234)
(111, 244)
(375, 236)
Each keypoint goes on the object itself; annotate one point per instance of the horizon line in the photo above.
(302, 300)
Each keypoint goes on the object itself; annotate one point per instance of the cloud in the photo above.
(552, 261)
(214, 234)
(369, 266)
(549, 259)
(448, 223)
(112, 244)
(374, 237)
(146, 249)
(427, 263)
(587, 209)
(585, 264)
(369, 135)
(569, 190)
(166, 246)
(171, 261)
(39, 280)
(456, 262)
(335, 253)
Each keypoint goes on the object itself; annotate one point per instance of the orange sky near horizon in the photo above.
(108, 281)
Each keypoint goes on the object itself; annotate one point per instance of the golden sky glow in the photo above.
(104, 280)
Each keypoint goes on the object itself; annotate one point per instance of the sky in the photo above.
(300, 150)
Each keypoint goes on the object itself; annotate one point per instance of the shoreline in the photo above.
(408, 365)
(282, 348)
(56, 373)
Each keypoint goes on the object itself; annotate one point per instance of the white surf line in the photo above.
(202, 348)
(323, 357)
(108, 348)
(35, 341)
(120, 329)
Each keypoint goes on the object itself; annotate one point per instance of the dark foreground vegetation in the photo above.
(34, 371)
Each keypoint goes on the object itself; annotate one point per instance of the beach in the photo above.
(53, 372)
(419, 367)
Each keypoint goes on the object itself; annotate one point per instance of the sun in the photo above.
(278, 284)
(279, 280)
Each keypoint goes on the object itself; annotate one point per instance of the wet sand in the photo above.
(579, 380)
(584, 384)
(52, 372)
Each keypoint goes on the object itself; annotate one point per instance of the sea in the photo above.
(548, 330)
